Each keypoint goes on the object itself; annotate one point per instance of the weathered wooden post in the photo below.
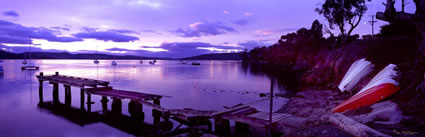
(116, 106)
(104, 104)
(241, 127)
(156, 113)
(82, 99)
(89, 102)
(136, 110)
(67, 95)
(55, 92)
(40, 89)
(222, 126)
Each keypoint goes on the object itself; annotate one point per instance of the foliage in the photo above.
(397, 29)
(342, 12)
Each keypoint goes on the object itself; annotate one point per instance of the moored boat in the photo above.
(114, 63)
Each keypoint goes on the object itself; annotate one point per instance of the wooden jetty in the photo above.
(243, 114)
(97, 87)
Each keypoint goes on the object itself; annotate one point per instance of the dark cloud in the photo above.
(187, 49)
(242, 22)
(11, 13)
(151, 31)
(177, 49)
(255, 43)
(22, 49)
(272, 32)
(204, 29)
(61, 28)
(124, 31)
(106, 36)
(14, 40)
(114, 35)
(17, 34)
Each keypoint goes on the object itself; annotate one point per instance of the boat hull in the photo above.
(368, 97)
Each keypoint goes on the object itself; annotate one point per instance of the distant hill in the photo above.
(217, 56)
(66, 55)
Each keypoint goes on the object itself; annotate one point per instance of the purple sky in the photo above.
(163, 28)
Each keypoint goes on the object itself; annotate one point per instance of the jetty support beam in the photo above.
(55, 92)
(40, 90)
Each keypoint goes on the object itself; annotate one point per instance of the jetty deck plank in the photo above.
(73, 81)
(122, 94)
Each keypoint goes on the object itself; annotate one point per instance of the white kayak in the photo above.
(386, 75)
(357, 71)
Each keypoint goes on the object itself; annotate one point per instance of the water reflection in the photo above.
(209, 86)
(286, 76)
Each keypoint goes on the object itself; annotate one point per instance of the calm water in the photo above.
(210, 86)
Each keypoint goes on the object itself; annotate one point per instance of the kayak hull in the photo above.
(368, 97)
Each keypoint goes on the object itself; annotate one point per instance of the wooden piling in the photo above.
(40, 89)
(82, 100)
(89, 102)
(67, 95)
(104, 102)
(222, 126)
(116, 106)
(241, 127)
(55, 92)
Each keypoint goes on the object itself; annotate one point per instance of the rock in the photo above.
(385, 112)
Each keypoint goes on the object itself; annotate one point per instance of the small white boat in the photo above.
(114, 63)
(355, 73)
(386, 75)
(30, 66)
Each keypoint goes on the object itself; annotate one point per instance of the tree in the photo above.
(342, 13)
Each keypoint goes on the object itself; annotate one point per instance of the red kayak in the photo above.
(368, 97)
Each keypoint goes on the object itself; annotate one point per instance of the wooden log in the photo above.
(353, 127)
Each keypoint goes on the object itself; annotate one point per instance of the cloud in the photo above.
(13, 33)
(149, 3)
(199, 29)
(61, 28)
(178, 49)
(226, 12)
(248, 14)
(109, 35)
(11, 13)
(187, 49)
(14, 40)
(270, 32)
(242, 22)
(22, 49)
(255, 43)
(124, 31)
